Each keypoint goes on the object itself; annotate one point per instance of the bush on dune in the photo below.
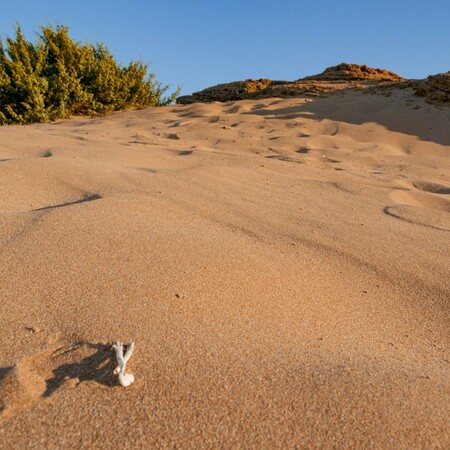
(56, 77)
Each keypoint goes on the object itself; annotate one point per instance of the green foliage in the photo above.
(57, 77)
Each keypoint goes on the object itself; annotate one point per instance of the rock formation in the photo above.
(343, 76)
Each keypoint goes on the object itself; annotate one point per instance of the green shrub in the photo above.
(57, 77)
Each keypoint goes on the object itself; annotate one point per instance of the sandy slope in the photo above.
(283, 266)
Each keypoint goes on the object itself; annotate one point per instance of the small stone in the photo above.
(34, 329)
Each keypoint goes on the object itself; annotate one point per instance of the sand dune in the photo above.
(282, 265)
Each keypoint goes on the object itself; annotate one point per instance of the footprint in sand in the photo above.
(433, 188)
(135, 142)
(419, 216)
(72, 136)
(421, 203)
(330, 160)
(172, 136)
(20, 386)
(258, 106)
(285, 158)
(40, 375)
(179, 124)
(422, 194)
(316, 158)
(293, 124)
(233, 110)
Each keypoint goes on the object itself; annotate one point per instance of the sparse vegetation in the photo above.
(56, 77)
(435, 88)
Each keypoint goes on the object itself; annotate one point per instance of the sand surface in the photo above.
(282, 265)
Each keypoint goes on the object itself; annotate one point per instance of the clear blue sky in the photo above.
(199, 43)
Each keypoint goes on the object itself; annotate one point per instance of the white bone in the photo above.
(125, 379)
(129, 352)
(119, 355)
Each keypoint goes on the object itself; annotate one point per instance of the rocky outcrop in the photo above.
(228, 91)
(343, 76)
(355, 72)
(435, 88)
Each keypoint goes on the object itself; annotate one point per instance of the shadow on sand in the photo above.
(98, 366)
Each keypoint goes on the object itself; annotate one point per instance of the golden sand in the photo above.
(282, 265)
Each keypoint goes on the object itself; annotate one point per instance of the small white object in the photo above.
(125, 379)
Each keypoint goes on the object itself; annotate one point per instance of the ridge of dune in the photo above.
(435, 88)
(355, 72)
(281, 263)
